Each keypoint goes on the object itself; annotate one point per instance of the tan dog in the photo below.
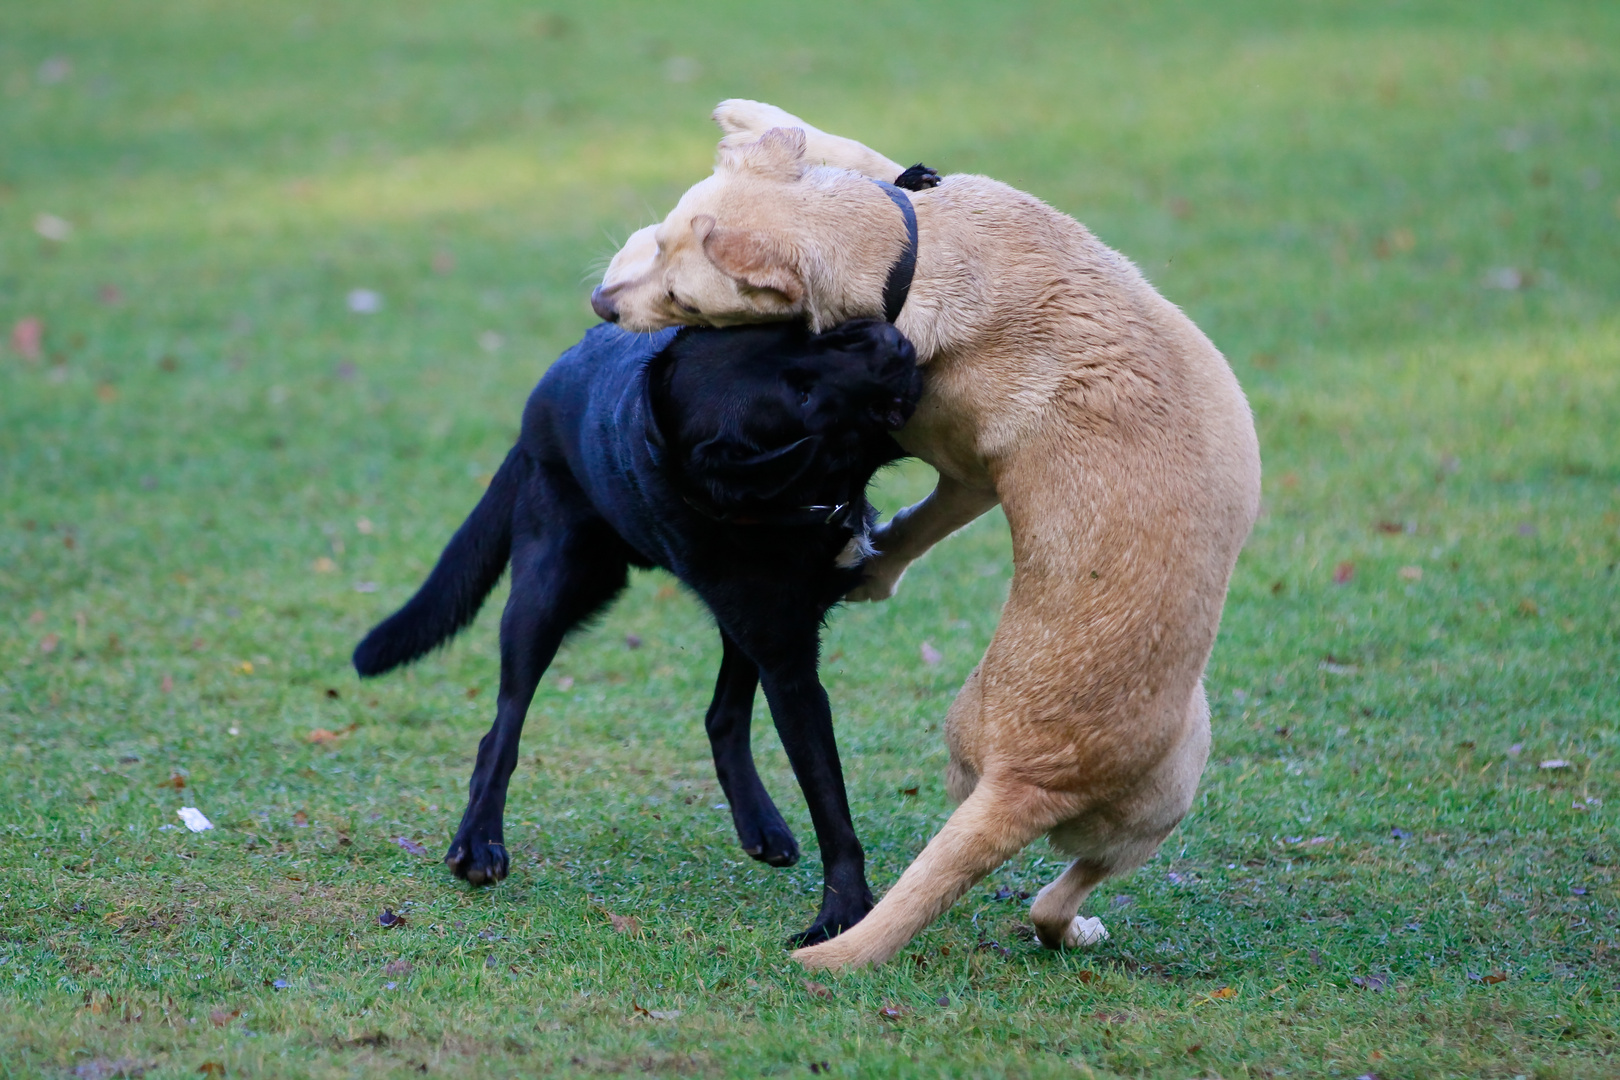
(1060, 384)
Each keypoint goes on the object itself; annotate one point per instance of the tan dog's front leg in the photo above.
(902, 540)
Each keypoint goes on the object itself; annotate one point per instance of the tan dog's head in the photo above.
(766, 237)
(700, 271)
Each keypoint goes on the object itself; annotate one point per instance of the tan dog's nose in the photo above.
(604, 303)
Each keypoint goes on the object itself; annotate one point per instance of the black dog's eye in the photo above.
(804, 395)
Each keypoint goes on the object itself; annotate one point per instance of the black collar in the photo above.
(898, 286)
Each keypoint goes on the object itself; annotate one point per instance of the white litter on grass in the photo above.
(50, 227)
(194, 819)
(365, 301)
(1555, 763)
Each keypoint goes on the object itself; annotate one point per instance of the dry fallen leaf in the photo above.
(175, 780)
(1377, 983)
(410, 845)
(219, 1017)
(301, 819)
(1343, 573)
(909, 791)
(323, 565)
(816, 989)
(28, 338)
(49, 643)
(1494, 977)
(211, 1068)
(1225, 993)
(397, 967)
(625, 924)
(891, 1012)
(321, 736)
(389, 920)
(167, 684)
(1411, 573)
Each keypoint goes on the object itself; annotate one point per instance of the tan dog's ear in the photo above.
(752, 258)
(776, 155)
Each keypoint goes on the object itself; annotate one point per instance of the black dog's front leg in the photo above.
(555, 585)
(760, 828)
(804, 722)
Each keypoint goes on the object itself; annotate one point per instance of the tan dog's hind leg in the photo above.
(1119, 837)
(1055, 907)
(996, 821)
(743, 121)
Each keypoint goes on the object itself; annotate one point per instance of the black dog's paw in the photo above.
(917, 178)
(769, 840)
(477, 862)
(831, 922)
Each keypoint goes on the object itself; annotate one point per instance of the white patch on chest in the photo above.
(857, 551)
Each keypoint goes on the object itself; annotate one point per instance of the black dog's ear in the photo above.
(737, 473)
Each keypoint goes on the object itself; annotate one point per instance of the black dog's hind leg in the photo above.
(559, 578)
(804, 722)
(760, 828)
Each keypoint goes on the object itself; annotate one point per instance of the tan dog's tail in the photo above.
(744, 121)
(994, 823)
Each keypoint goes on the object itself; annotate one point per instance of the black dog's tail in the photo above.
(449, 599)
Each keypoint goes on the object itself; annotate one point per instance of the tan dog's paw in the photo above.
(827, 956)
(1083, 933)
(882, 581)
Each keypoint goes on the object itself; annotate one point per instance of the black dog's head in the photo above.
(753, 417)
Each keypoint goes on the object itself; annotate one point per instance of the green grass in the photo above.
(1329, 189)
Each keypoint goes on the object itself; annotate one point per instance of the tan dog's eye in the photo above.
(678, 302)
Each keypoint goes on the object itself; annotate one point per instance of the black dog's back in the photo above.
(738, 460)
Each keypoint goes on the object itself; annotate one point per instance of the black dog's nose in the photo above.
(602, 302)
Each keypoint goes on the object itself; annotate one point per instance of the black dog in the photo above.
(737, 459)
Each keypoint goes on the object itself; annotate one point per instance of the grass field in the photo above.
(1401, 221)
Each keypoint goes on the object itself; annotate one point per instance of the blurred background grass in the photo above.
(1401, 222)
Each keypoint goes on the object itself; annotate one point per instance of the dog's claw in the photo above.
(766, 837)
(477, 863)
(830, 923)
(917, 178)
